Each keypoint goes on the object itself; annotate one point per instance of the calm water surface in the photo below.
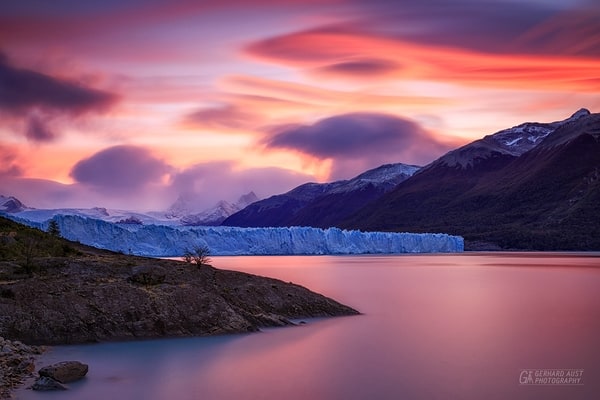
(434, 327)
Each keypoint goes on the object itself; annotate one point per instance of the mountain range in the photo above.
(322, 205)
(545, 196)
(535, 186)
(183, 210)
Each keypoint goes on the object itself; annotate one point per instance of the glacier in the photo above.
(173, 241)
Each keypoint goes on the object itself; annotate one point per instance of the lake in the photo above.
(460, 326)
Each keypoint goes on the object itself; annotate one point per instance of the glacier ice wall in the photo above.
(166, 241)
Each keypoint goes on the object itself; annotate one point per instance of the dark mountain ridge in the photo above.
(318, 204)
(544, 198)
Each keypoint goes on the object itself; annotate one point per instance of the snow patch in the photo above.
(513, 141)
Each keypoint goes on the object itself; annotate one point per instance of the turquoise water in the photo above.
(433, 327)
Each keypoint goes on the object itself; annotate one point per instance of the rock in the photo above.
(148, 275)
(43, 383)
(16, 364)
(65, 372)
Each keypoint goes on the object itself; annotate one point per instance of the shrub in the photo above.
(53, 228)
(200, 255)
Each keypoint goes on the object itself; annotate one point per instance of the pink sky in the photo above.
(130, 103)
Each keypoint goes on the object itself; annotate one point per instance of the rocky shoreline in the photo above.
(73, 301)
(88, 295)
(17, 363)
(105, 298)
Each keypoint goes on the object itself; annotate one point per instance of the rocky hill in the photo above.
(56, 292)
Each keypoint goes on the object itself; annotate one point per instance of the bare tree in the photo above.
(200, 255)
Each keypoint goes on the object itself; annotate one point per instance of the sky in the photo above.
(132, 103)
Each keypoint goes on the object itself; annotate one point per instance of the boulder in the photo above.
(148, 275)
(65, 372)
(43, 383)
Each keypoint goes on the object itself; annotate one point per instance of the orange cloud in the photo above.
(324, 49)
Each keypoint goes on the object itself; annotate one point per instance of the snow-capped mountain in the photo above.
(212, 216)
(386, 176)
(181, 207)
(184, 209)
(511, 142)
(163, 241)
(318, 204)
(535, 186)
(11, 205)
(216, 215)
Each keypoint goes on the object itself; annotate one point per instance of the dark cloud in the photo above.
(37, 131)
(359, 141)
(23, 89)
(488, 26)
(37, 98)
(497, 26)
(362, 67)
(226, 116)
(120, 168)
(349, 135)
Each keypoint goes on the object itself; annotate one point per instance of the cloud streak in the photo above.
(223, 117)
(361, 68)
(36, 99)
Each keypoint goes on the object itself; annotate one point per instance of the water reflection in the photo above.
(434, 327)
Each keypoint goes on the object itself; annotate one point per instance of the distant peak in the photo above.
(247, 199)
(11, 204)
(582, 112)
(222, 203)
